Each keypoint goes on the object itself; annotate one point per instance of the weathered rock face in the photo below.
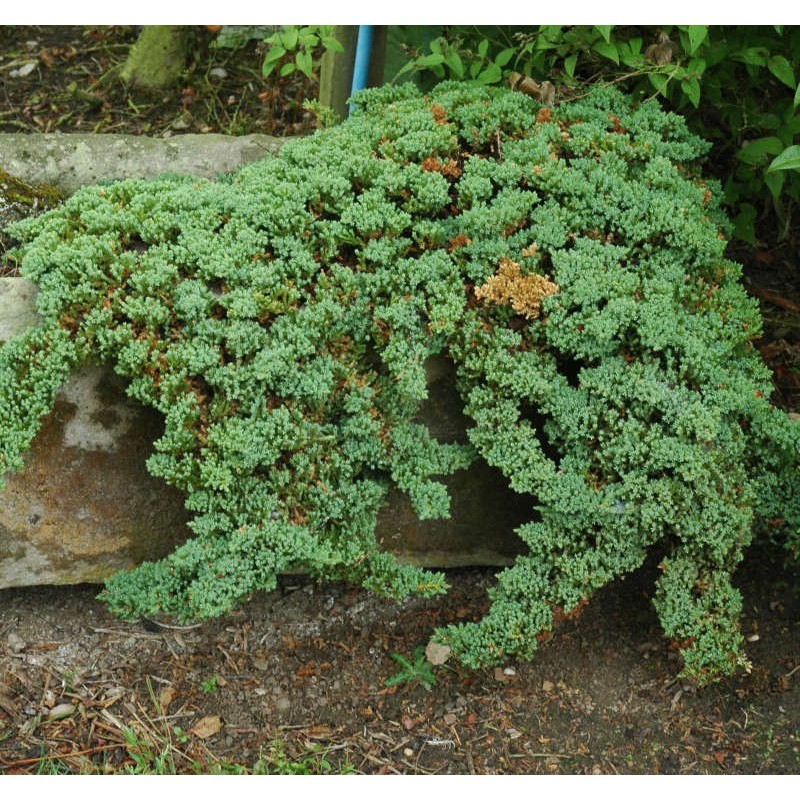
(71, 160)
(85, 507)
(484, 511)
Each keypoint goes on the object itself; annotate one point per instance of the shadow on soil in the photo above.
(297, 677)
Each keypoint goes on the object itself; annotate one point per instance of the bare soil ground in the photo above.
(299, 675)
(61, 78)
(295, 681)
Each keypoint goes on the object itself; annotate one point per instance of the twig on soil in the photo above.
(8, 705)
(28, 761)
(16, 62)
(384, 764)
(228, 658)
(435, 741)
(329, 748)
(113, 719)
(150, 636)
(468, 754)
(381, 736)
(108, 731)
(170, 648)
(775, 299)
(146, 621)
(528, 754)
(610, 764)
(792, 672)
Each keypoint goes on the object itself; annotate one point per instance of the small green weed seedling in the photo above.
(313, 761)
(418, 672)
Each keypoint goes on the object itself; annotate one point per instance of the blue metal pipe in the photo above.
(363, 55)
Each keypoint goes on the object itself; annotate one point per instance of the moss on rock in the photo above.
(19, 200)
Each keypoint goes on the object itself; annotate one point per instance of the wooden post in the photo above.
(336, 69)
(376, 64)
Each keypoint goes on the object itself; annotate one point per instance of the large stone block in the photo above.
(85, 507)
(484, 511)
(71, 160)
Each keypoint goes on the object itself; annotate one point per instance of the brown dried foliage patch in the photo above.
(450, 168)
(524, 293)
(439, 114)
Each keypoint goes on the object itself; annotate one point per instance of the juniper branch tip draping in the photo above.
(569, 260)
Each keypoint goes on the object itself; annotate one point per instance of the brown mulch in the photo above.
(300, 674)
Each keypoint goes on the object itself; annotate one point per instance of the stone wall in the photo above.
(85, 506)
(68, 161)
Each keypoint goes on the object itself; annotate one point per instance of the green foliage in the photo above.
(456, 59)
(288, 48)
(149, 757)
(34, 366)
(569, 260)
(418, 671)
(787, 159)
(736, 85)
(313, 761)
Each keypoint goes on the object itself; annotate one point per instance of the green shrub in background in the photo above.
(287, 48)
(737, 86)
(568, 260)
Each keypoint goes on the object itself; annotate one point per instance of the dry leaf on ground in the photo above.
(206, 727)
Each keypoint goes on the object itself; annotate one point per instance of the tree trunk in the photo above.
(157, 58)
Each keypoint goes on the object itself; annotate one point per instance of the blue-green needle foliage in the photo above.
(569, 261)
